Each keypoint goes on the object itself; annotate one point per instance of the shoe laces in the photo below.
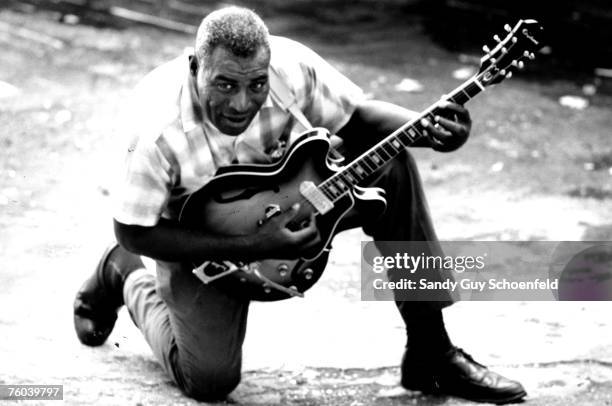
(457, 350)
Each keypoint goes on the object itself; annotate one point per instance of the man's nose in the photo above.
(240, 101)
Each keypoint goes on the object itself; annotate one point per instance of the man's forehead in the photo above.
(223, 62)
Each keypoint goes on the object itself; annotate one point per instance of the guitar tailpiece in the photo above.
(274, 285)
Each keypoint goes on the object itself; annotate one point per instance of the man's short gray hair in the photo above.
(238, 29)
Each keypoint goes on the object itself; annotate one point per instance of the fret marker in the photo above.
(396, 144)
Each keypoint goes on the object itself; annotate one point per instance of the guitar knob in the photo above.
(283, 269)
(507, 28)
(308, 273)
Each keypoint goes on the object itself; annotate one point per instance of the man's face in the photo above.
(232, 89)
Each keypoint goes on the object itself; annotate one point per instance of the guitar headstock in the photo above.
(511, 52)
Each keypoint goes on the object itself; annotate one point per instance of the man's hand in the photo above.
(275, 239)
(450, 129)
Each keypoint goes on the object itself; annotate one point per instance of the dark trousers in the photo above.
(197, 330)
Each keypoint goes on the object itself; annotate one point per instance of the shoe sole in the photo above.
(514, 398)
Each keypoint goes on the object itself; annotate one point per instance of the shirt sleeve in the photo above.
(143, 189)
(328, 98)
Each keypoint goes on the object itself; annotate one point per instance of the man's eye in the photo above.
(225, 87)
(258, 86)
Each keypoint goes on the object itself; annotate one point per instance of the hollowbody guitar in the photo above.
(240, 198)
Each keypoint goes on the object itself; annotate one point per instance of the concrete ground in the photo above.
(327, 349)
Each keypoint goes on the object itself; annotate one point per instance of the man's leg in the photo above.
(431, 363)
(407, 219)
(194, 330)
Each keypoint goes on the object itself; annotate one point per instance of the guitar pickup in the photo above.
(316, 197)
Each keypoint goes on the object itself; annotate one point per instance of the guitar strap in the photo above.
(284, 96)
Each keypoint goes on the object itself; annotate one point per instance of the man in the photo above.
(211, 109)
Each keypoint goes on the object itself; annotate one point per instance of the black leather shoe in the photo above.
(98, 300)
(457, 374)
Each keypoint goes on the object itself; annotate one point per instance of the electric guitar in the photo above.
(240, 198)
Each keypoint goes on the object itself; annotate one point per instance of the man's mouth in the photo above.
(239, 119)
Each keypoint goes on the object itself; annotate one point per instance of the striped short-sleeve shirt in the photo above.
(174, 149)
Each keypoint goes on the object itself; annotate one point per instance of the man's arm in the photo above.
(171, 241)
(373, 119)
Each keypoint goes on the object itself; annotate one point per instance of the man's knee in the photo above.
(402, 167)
(210, 383)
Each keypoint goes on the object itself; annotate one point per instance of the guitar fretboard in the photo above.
(382, 153)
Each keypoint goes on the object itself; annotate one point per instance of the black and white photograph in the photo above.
(306, 202)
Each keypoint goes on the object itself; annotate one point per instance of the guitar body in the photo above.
(240, 197)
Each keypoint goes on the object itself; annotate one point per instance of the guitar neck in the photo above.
(391, 146)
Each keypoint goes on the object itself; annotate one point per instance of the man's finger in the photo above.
(306, 235)
(454, 109)
(290, 214)
(435, 132)
(450, 126)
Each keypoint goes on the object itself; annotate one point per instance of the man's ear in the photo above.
(193, 65)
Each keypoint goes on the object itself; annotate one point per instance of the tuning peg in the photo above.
(502, 72)
(518, 64)
(504, 50)
(486, 49)
(496, 38)
(514, 40)
(507, 28)
(509, 75)
(531, 56)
